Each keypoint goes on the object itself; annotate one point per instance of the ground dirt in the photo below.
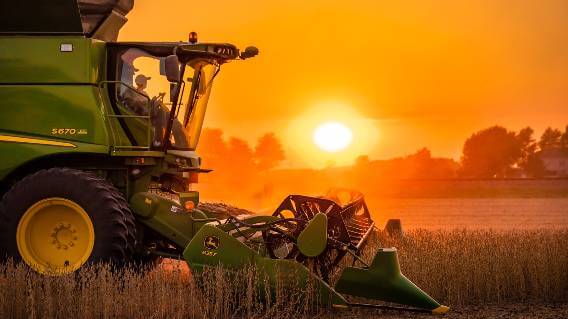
(516, 311)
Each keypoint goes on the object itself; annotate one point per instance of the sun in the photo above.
(331, 132)
(332, 136)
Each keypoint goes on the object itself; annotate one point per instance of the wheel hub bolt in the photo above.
(63, 235)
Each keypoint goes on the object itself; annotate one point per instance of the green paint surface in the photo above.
(312, 241)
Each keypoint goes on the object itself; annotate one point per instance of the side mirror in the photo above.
(172, 68)
(249, 52)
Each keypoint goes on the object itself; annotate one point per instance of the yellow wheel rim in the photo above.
(55, 236)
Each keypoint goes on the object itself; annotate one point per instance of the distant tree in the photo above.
(564, 139)
(362, 161)
(422, 155)
(550, 139)
(419, 164)
(236, 166)
(534, 166)
(239, 152)
(422, 165)
(268, 152)
(212, 148)
(490, 153)
(528, 147)
(239, 163)
(212, 139)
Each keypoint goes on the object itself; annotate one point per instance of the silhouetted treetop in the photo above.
(268, 152)
(564, 139)
(550, 139)
(234, 160)
(491, 152)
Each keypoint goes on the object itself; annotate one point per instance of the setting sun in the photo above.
(330, 131)
(332, 136)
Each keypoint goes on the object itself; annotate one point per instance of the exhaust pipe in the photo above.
(384, 281)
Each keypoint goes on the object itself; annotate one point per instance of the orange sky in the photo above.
(416, 73)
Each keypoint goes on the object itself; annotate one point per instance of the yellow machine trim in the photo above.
(55, 236)
(339, 306)
(27, 140)
(440, 310)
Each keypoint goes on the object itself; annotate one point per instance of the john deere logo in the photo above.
(211, 242)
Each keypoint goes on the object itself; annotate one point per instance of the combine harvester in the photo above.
(97, 141)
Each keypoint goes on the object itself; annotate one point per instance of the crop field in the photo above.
(472, 213)
(513, 272)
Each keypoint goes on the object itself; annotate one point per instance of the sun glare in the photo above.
(332, 136)
(331, 132)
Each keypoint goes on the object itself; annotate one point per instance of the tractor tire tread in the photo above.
(106, 207)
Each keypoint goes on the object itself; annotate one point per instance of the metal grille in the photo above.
(349, 224)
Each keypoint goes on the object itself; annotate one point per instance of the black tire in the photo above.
(108, 210)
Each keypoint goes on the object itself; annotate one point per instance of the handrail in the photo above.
(108, 114)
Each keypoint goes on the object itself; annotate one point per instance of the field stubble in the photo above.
(462, 268)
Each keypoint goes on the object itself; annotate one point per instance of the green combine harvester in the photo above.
(97, 158)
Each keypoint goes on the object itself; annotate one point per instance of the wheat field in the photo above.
(458, 268)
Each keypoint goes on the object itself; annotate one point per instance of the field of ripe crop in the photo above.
(472, 213)
(478, 273)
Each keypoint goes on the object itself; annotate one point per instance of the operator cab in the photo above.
(160, 90)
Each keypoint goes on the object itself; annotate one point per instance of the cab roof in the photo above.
(100, 19)
(184, 50)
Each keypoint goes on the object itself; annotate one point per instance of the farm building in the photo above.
(555, 161)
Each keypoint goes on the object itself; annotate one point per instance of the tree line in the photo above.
(496, 152)
(234, 159)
